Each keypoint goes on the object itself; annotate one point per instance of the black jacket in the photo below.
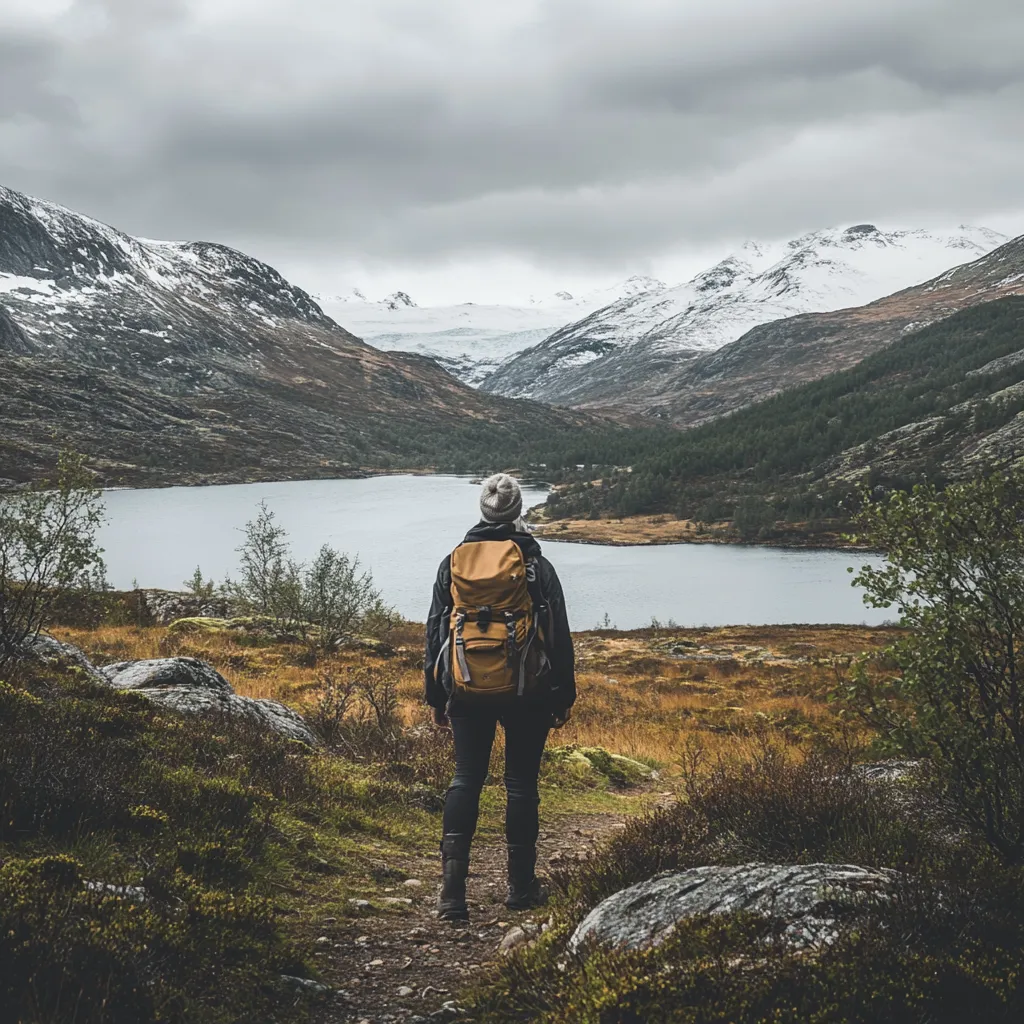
(562, 693)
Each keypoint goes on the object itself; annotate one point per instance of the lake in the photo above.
(402, 526)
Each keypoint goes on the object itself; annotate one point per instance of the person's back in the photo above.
(498, 649)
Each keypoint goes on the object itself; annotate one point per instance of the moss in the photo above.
(574, 765)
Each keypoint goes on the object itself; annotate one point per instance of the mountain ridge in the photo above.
(589, 362)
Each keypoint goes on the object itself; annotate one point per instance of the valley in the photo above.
(191, 363)
(471, 339)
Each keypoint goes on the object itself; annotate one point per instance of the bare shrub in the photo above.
(327, 718)
(380, 692)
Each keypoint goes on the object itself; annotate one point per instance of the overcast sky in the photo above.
(480, 149)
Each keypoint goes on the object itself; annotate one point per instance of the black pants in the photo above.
(526, 732)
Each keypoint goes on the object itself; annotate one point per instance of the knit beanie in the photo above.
(501, 501)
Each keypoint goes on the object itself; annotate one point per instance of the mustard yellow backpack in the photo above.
(496, 637)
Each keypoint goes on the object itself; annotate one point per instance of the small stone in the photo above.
(404, 991)
(396, 901)
(330, 920)
(375, 963)
(363, 939)
(323, 941)
(360, 904)
(306, 985)
(516, 937)
(413, 883)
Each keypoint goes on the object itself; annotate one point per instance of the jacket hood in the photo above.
(504, 531)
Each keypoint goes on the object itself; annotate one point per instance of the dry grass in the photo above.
(648, 694)
(666, 529)
(660, 529)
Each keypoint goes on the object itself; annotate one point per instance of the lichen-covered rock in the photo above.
(616, 768)
(813, 901)
(51, 651)
(191, 686)
(164, 606)
(182, 674)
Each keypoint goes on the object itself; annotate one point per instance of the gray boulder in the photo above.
(192, 687)
(811, 900)
(51, 651)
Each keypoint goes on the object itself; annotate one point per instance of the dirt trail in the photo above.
(403, 964)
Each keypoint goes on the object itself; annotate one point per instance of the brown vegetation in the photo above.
(624, 531)
(647, 694)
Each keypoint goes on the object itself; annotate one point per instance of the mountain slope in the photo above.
(470, 340)
(177, 362)
(787, 353)
(12, 337)
(629, 341)
(945, 400)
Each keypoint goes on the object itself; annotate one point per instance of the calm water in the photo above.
(402, 526)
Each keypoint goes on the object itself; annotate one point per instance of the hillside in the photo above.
(623, 347)
(470, 339)
(185, 362)
(943, 401)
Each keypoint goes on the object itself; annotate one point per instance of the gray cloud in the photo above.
(588, 132)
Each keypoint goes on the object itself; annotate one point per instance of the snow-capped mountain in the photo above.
(190, 361)
(469, 340)
(83, 290)
(819, 272)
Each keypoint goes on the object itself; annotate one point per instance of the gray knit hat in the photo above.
(501, 501)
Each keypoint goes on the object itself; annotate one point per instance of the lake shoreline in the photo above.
(630, 531)
(665, 530)
(401, 526)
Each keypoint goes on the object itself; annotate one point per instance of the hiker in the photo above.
(498, 650)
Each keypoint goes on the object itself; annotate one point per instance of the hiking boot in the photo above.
(451, 903)
(525, 889)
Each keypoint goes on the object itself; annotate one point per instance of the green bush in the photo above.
(134, 849)
(947, 945)
(955, 570)
(48, 551)
(323, 603)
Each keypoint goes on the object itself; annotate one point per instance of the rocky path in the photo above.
(400, 963)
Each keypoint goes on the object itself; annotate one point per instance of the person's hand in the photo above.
(559, 718)
(441, 719)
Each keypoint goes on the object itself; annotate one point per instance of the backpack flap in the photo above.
(491, 626)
